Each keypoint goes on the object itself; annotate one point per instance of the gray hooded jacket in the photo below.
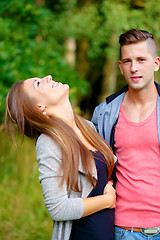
(105, 116)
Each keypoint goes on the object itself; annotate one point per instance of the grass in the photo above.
(23, 215)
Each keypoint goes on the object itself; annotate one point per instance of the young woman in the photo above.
(75, 163)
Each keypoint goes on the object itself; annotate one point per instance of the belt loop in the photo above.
(131, 229)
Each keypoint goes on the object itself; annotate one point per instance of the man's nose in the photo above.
(134, 66)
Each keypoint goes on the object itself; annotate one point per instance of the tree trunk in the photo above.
(70, 52)
(82, 61)
(109, 80)
(39, 2)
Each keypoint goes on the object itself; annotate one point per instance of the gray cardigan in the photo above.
(61, 205)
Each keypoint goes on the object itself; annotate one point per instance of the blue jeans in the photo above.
(130, 235)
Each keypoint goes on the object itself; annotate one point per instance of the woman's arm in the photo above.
(57, 201)
(95, 204)
(60, 206)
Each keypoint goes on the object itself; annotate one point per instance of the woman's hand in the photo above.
(111, 192)
(97, 203)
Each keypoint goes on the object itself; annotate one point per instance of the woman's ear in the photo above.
(42, 108)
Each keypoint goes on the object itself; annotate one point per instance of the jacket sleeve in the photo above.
(91, 125)
(58, 203)
(94, 119)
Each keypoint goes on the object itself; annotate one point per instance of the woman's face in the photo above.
(46, 92)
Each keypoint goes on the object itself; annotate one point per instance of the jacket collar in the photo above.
(158, 87)
(113, 96)
(125, 89)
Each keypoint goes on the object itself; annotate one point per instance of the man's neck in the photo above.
(138, 105)
(141, 96)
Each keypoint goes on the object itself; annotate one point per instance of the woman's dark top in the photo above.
(100, 225)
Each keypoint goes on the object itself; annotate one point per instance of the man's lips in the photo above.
(136, 78)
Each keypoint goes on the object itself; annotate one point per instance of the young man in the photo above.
(130, 122)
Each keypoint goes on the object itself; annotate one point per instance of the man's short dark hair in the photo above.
(134, 36)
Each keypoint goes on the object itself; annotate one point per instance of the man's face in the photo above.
(138, 64)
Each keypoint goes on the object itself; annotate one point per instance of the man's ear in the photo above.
(157, 64)
(120, 66)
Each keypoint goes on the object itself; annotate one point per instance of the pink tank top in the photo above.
(138, 172)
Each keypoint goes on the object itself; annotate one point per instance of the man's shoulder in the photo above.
(115, 99)
(158, 87)
(115, 95)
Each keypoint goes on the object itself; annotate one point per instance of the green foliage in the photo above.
(32, 38)
(32, 44)
(22, 211)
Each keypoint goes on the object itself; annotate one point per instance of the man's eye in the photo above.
(141, 60)
(38, 83)
(126, 61)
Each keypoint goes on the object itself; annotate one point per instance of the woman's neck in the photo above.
(65, 113)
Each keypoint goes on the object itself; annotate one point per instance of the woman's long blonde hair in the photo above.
(22, 112)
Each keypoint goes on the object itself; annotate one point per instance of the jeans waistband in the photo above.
(146, 231)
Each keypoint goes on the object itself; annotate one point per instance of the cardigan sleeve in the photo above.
(59, 204)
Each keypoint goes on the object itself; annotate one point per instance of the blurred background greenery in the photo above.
(76, 41)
